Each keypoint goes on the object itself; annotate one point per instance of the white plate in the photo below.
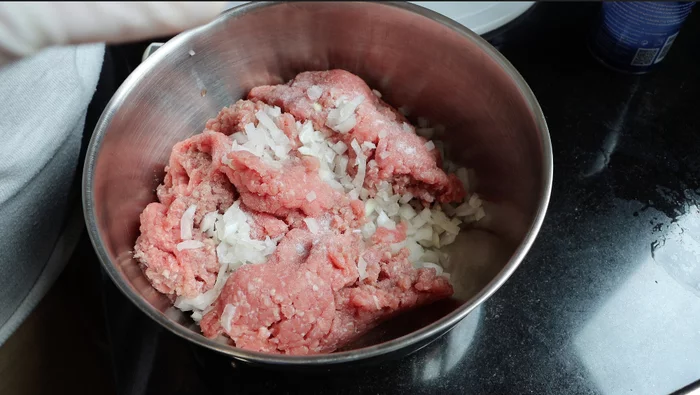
(480, 17)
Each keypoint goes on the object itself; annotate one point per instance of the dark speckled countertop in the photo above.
(608, 299)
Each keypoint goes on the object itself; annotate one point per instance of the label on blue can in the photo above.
(635, 36)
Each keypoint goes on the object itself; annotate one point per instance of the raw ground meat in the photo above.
(283, 191)
(402, 157)
(309, 296)
(306, 299)
(172, 272)
(192, 177)
(194, 171)
(265, 225)
(233, 119)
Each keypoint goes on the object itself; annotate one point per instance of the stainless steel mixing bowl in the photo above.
(418, 59)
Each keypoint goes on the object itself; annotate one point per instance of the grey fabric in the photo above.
(43, 101)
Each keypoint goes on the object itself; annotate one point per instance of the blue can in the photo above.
(633, 37)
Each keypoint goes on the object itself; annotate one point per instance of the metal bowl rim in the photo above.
(419, 336)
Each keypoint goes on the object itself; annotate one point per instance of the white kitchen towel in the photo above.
(44, 95)
(27, 27)
(43, 102)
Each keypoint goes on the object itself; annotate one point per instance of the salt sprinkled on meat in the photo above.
(314, 92)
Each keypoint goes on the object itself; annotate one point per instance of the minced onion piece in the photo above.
(312, 224)
(361, 162)
(187, 222)
(189, 245)
(362, 268)
(208, 221)
(384, 221)
(227, 317)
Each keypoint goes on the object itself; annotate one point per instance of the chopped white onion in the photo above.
(340, 147)
(447, 238)
(342, 118)
(361, 162)
(312, 224)
(362, 268)
(187, 222)
(474, 201)
(208, 221)
(189, 245)
(431, 265)
(368, 145)
(202, 301)
(346, 125)
(227, 317)
(407, 212)
(384, 221)
(368, 230)
(424, 233)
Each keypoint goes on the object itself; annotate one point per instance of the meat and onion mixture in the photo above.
(303, 216)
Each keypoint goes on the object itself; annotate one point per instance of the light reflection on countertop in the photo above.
(656, 313)
(442, 360)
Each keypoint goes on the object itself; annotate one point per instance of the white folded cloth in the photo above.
(46, 84)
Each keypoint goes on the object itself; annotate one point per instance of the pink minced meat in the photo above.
(282, 192)
(307, 298)
(264, 224)
(234, 118)
(194, 173)
(172, 272)
(192, 178)
(401, 156)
